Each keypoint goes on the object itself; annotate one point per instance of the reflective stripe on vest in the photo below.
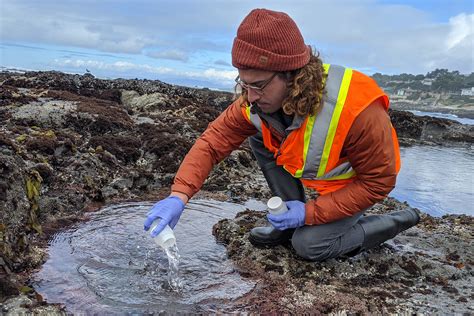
(254, 119)
(321, 128)
(325, 126)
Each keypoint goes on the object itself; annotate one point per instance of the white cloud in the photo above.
(220, 77)
(365, 34)
(172, 54)
(69, 27)
(221, 62)
(119, 66)
(213, 74)
(462, 30)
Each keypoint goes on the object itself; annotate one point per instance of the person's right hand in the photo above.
(169, 210)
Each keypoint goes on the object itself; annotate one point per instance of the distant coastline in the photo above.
(461, 112)
(439, 91)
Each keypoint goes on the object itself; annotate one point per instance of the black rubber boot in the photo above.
(282, 184)
(277, 179)
(379, 228)
(269, 236)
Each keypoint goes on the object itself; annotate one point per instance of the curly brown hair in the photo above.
(305, 88)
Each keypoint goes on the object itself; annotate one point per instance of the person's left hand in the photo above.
(292, 218)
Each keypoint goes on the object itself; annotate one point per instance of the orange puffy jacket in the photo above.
(367, 141)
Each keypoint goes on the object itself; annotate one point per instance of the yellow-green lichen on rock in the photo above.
(21, 138)
(47, 134)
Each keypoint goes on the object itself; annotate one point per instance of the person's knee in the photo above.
(310, 250)
(321, 242)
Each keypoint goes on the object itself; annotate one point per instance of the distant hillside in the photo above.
(439, 90)
(439, 80)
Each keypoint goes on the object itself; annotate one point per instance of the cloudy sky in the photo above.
(189, 42)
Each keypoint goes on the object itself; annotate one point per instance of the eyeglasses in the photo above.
(257, 88)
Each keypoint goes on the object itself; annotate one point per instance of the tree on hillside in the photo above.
(444, 80)
(380, 78)
(448, 81)
(436, 73)
(469, 80)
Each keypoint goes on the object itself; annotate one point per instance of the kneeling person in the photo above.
(313, 125)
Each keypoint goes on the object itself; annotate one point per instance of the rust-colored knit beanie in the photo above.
(269, 40)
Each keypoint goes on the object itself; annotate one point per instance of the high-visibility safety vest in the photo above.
(312, 152)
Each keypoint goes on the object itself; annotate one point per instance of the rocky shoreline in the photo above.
(462, 112)
(70, 144)
(426, 269)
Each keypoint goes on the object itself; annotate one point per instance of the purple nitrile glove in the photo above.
(292, 218)
(169, 210)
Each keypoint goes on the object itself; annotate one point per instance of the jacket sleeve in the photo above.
(370, 150)
(225, 134)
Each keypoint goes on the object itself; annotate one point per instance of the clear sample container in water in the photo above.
(276, 206)
(165, 239)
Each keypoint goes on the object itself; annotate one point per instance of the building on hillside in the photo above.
(404, 92)
(427, 81)
(468, 91)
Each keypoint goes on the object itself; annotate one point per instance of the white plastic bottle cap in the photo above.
(276, 205)
(166, 238)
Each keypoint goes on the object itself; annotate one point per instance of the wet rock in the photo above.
(146, 103)
(122, 183)
(390, 278)
(24, 305)
(94, 141)
(14, 96)
(109, 192)
(412, 129)
(46, 172)
(6, 142)
(8, 284)
(46, 113)
(124, 148)
(43, 145)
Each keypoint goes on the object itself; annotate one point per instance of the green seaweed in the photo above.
(33, 187)
(26, 289)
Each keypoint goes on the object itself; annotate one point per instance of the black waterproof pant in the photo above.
(347, 236)
(317, 242)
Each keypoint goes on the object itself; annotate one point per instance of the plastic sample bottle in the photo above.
(166, 238)
(276, 205)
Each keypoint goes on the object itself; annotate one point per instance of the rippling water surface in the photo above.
(109, 265)
(437, 180)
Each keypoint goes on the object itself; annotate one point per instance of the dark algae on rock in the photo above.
(70, 144)
(426, 269)
(412, 129)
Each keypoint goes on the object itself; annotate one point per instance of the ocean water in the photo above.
(437, 180)
(453, 117)
(108, 265)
